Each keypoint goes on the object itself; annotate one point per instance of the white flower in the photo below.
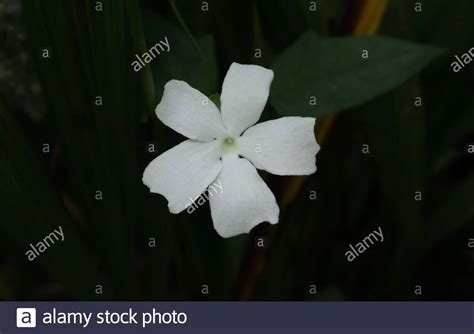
(225, 146)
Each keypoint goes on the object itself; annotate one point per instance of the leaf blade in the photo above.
(337, 82)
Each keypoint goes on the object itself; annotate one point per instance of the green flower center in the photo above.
(229, 145)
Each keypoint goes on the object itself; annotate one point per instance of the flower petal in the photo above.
(183, 173)
(189, 112)
(245, 200)
(285, 146)
(244, 95)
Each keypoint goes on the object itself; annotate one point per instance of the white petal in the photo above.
(183, 173)
(244, 95)
(285, 146)
(245, 200)
(189, 112)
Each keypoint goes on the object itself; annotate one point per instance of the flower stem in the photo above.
(186, 29)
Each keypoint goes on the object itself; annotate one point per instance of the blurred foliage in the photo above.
(96, 115)
(17, 74)
(185, 62)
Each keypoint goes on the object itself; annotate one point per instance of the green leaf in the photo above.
(453, 214)
(216, 99)
(334, 72)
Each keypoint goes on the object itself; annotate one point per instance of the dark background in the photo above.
(108, 254)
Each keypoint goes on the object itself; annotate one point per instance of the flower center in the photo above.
(229, 145)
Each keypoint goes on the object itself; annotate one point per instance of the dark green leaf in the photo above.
(453, 214)
(216, 99)
(317, 76)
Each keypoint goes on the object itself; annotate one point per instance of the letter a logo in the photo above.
(25, 317)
